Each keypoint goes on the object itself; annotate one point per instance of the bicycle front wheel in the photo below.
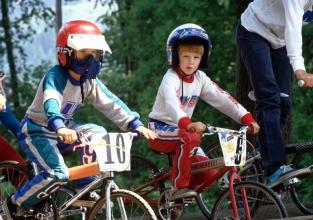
(262, 202)
(124, 203)
(142, 171)
(300, 191)
(301, 194)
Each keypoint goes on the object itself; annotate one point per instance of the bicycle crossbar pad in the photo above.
(79, 172)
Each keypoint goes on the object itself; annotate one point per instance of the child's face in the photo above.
(189, 61)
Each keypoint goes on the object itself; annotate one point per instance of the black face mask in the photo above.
(88, 67)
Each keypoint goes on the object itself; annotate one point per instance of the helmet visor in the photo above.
(88, 41)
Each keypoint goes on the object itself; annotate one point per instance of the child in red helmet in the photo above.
(61, 92)
(188, 49)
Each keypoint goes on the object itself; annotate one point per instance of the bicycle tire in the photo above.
(135, 206)
(263, 203)
(252, 171)
(301, 193)
(142, 171)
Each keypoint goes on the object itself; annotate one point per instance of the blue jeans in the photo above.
(40, 145)
(270, 75)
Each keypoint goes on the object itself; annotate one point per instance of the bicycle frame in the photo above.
(216, 163)
(92, 169)
(196, 168)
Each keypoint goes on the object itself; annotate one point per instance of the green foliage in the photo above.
(29, 15)
(302, 97)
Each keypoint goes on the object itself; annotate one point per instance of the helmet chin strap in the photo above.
(182, 81)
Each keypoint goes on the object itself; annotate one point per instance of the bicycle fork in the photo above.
(111, 185)
(243, 196)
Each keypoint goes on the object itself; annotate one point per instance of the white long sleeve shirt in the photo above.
(280, 23)
(169, 107)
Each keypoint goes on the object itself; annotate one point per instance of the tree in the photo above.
(17, 24)
(58, 15)
(243, 86)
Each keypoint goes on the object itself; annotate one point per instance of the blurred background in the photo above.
(136, 31)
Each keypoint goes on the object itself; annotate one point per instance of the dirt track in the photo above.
(293, 212)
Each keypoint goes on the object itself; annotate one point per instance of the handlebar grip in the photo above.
(301, 83)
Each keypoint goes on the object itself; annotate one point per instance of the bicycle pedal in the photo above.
(188, 200)
(292, 181)
(156, 174)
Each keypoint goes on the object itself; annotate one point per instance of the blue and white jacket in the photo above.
(59, 97)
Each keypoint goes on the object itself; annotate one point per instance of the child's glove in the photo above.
(254, 128)
(147, 133)
(196, 127)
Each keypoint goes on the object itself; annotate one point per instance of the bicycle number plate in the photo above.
(233, 147)
(112, 151)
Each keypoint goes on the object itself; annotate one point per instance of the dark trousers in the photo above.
(270, 76)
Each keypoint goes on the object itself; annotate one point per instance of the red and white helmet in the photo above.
(79, 34)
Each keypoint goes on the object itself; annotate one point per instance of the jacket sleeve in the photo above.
(52, 100)
(294, 11)
(113, 107)
(221, 100)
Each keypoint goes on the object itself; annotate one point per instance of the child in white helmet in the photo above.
(188, 49)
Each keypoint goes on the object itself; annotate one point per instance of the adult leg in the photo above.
(283, 73)
(256, 54)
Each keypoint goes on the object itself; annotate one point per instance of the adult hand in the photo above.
(306, 77)
(147, 133)
(254, 128)
(196, 127)
(69, 136)
(2, 102)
